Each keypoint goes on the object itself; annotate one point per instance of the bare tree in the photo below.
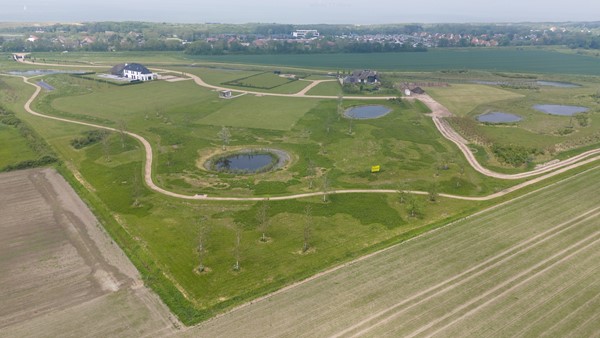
(203, 234)
(225, 136)
(236, 248)
(307, 226)
(262, 216)
(311, 171)
(325, 188)
(136, 189)
(403, 193)
(433, 192)
(105, 146)
(123, 132)
(350, 125)
(414, 207)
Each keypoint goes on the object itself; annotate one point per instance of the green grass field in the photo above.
(461, 99)
(527, 268)
(14, 147)
(512, 60)
(266, 80)
(182, 121)
(249, 111)
(527, 60)
(329, 88)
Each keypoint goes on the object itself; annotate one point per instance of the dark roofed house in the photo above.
(418, 90)
(362, 76)
(133, 71)
(136, 71)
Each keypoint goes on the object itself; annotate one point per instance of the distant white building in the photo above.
(134, 71)
(305, 33)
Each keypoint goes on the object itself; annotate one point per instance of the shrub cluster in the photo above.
(90, 137)
(514, 155)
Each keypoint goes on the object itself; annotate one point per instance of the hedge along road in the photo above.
(438, 112)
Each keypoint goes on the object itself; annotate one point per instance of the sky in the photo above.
(300, 11)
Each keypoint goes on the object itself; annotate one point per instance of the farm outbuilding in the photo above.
(225, 94)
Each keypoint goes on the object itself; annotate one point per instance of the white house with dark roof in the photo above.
(134, 71)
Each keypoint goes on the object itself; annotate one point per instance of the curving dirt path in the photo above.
(438, 114)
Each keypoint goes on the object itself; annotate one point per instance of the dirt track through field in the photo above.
(58, 267)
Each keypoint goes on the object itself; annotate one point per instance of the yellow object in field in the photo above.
(375, 168)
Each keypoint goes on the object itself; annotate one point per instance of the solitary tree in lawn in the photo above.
(203, 233)
(433, 192)
(325, 188)
(236, 248)
(262, 216)
(225, 136)
(307, 226)
(311, 171)
(123, 132)
(414, 207)
(105, 146)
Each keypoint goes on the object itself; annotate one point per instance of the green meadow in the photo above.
(14, 147)
(514, 60)
(327, 151)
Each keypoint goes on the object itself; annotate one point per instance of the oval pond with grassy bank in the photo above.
(560, 110)
(248, 161)
(367, 112)
(498, 117)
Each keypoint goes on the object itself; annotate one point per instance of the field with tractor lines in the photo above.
(525, 268)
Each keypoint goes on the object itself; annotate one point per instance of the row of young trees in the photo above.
(263, 219)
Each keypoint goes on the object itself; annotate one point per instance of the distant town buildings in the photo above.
(305, 34)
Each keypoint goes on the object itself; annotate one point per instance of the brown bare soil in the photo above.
(61, 274)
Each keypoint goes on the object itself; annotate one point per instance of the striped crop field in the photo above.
(528, 267)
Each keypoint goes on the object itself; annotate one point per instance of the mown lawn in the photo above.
(329, 88)
(249, 111)
(267, 80)
(461, 99)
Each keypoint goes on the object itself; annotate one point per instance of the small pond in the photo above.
(491, 83)
(556, 109)
(45, 72)
(557, 84)
(244, 162)
(498, 117)
(367, 112)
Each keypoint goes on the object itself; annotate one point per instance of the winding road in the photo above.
(438, 113)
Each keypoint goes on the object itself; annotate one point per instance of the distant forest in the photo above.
(219, 39)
